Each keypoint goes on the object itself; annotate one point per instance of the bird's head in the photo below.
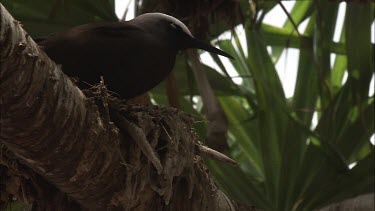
(176, 32)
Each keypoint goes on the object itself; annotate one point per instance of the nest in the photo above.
(158, 150)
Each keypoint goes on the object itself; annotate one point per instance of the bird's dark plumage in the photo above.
(133, 56)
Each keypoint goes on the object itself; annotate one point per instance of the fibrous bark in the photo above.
(51, 126)
(360, 203)
(67, 141)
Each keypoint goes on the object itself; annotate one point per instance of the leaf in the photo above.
(306, 88)
(325, 25)
(41, 18)
(358, 181)
(221, 84)
(275, 36)
(241, 186)
(358, 44)
(299, 13)
(271, 114)
(356, 136)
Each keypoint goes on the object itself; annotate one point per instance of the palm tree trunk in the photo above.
(360, 203)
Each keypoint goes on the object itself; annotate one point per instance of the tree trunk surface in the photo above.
(62, 150)
(359, 203)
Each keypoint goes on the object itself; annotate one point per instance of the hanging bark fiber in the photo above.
(61, 149)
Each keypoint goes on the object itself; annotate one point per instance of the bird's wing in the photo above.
(76, 34)
(116, 29)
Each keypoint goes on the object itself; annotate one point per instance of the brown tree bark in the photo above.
(360, 203)
(68, 142)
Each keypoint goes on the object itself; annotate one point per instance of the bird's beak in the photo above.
(207, 47)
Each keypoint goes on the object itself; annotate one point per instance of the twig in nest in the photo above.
(213, 154)
(104, 99)
(140, 138)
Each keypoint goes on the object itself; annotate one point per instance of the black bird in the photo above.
(132, 56)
